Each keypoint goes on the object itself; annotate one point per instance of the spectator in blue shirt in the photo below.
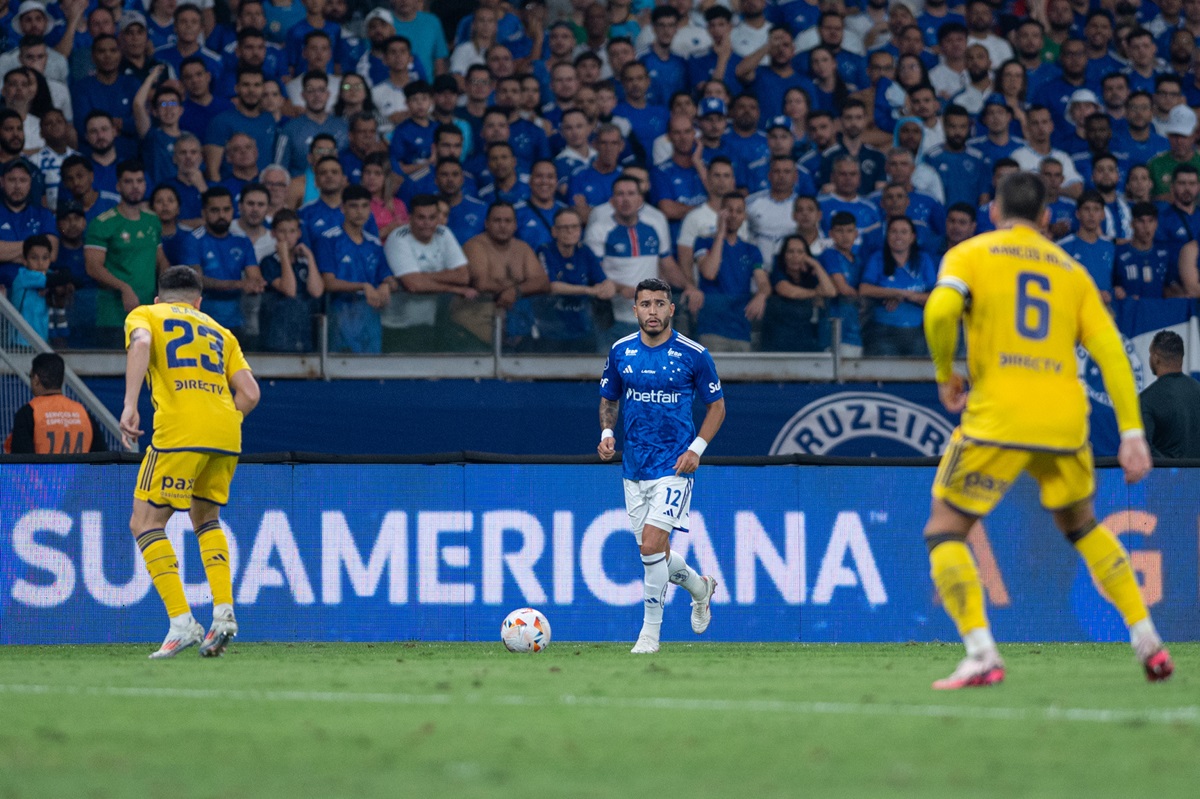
(963, 170)
(158, 141)
(646, 120)
(504, 183)
(178, 243)
(78, 186)
(747, 145)
(107, 89)
(227, 262)
(20, 219)
(843, 263)
(592, 185)
(1179, 218)
(677, 186)
(770, 83)
(247, 116)
(565, 318)
(668, 72)
(296, 136)
(200, 105)
(729, 266)
(800, 287)
(424, 30)
(720, 63)
(898, 279)
(189, 33)
(1086, 246)
(412, 140)
(1143, 269)
(357, 278)
(467, 214)
(297, 36)
(536, 213)
(188, 180)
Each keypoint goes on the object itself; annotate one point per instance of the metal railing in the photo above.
(19, 343)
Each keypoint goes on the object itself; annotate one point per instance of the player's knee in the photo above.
(1074, 533)
(934, 539)
(652, 548)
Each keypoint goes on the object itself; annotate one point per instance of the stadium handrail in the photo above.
(464, 457)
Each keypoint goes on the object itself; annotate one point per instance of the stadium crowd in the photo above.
(780, 164)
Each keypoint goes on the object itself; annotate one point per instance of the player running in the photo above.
(658, 372)
(1025, 304)
(202, 388)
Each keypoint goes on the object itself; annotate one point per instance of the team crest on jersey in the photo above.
(860, 423)
(1093, 381)
(125, 236)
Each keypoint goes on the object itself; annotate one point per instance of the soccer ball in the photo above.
(525, 630)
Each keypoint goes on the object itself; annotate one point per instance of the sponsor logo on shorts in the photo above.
(980, 483)
(830, 425)
(177, 483)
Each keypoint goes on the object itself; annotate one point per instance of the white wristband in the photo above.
(698, 446)
(1136, 432)
(606, 433)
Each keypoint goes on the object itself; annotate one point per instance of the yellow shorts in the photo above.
(172, 479)
(973, 477)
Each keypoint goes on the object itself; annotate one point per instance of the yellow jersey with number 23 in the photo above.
(1028, 304)
(192, 359)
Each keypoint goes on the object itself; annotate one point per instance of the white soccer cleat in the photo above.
(702, 608)
(224, 628)
(179, 637)
(974, 672)
(646, 645)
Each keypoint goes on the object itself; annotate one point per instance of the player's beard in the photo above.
(664, 329)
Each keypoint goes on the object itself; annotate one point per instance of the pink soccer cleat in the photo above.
(974, 672)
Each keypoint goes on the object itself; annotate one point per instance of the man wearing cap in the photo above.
(134, 45)
(19, 219)
(33, 20)
(714, 127)
(1070, 137)
(380, 26)
(1181, 149)
(997, 141)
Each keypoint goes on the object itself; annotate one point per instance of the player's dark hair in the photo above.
(841, 219)
(418, 87)
(1167, 344)
(254, 186)
(130, 165)
(652, 284)
(446, 130)
(180, 282)
(215, 193)
(1143, 209)
(355, 192)
(72, 161)
(1182, 169)
(51, 370)
(1022, 195)
(718, 12)
(165, 187)
(423, 201)
(721, 159)
(36, 240)
(663, 12)
(284, 215)
(1090, 196)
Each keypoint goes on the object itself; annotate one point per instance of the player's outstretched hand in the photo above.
(130, 431)
(607, 448)
(953, 393)
(687, 463)
(1134, 457)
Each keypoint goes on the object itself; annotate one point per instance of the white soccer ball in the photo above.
(525, 630)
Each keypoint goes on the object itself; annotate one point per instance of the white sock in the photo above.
(1143, 635)
(219, 609)
(657, 575)
(182, 620)
(979, 642)
(682, 575)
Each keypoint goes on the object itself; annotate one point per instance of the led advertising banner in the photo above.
(358, 552)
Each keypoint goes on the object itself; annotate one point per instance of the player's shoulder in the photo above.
(107, 217)
(624, 346)
(694, 347)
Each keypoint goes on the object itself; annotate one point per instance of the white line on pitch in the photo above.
(1179, 715)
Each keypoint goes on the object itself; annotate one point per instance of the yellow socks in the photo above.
(1108, 562)
(214, 551)
(163, 566)
(957, 580)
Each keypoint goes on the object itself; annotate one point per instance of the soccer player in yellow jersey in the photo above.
(1025, 304)
(202, 388)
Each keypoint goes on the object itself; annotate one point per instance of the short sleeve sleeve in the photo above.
(956, 271)
(138, 319)
(707, 382)
(96, 235)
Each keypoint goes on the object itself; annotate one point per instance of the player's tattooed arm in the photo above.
(608, 413)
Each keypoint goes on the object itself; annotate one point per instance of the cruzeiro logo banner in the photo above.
(864, 423)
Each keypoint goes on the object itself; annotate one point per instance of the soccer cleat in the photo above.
(179, 638)
(1159, 666)
(974, 672)
(224, 628)
(646, 645)
(702, 608)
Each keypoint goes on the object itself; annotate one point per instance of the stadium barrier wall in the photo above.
(442, 548)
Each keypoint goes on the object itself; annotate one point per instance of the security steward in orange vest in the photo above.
(52, 424)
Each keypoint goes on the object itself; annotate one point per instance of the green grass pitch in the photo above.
(590, 720)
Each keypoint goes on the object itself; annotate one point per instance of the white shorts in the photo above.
(663, 503)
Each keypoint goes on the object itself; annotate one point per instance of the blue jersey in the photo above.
(751, 159)
(647, 123)
(726, 296)
(993, 152)
(16, 226)
(316, 217)
(261, 127)
(534, 224)
(1176, 228)
(667, 76)
(919, 274)
(180, 248)
(411, 142)
(965, 175)
(845, 308)
(467, 218)
(529, 143)
(224, 258)
(573, 312)
(1143, 273)
(657, 387)
(595, 186)
(1097, 258)
(336, 252)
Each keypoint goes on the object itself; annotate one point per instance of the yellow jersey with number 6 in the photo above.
(192, 359)
(1028, 304)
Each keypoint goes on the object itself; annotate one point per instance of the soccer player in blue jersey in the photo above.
(658, 373)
